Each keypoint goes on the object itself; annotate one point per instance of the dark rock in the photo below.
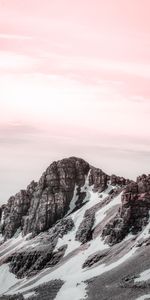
(42, 204)
(47, 291)
(133, 214)
(98, 179)
(116, 180)
(14, 212)
(94, 258)
(54, 193)
(39, 206)
(14, 297)
(84, 232)
(31, 260)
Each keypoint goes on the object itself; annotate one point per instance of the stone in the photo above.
(98, 179)
(84, 232)
(133, 214)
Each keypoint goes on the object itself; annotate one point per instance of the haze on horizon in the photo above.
(74, 81)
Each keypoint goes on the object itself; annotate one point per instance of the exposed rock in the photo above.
(84, 232)
(98, 179)
(47, 291)
(54, 193)
(27, 262)
(14, 297)
(94, 258)
(39, 206)
(30, 262)
(133, 214)
(14, 212)
(117, 180)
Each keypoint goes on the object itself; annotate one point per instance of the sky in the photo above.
(74, 81)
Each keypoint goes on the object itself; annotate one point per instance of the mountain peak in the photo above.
(76, 221)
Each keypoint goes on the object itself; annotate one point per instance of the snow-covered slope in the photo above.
(96, 251)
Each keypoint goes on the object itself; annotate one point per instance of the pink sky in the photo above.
(74, 80)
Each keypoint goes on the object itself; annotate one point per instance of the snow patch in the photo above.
(2, 218)
(7, 279)
(92, 198)
(73, 201)
(144, 297)
(101, 213)
(144, 276)
(26, 296)
(12, 245)
(146, 232)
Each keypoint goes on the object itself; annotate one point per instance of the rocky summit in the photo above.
(78, 233)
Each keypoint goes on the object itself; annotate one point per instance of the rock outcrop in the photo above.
(94, 258)
(84, 232)
(54, 193)
(133, 214)
(117, 180)
(98, 179)
(42, 204)
(15, 211)
(32, 259)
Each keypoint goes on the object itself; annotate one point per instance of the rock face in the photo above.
(54, 192)
(98, 179)
(94, 258)
(15, 211)
(117, 180)
(133, 214)
(42, 204)
(84, 232)
(27, 262)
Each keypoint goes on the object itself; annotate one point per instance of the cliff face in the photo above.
(43, 203)
(133, 213)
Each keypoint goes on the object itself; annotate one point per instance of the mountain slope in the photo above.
(76, 233)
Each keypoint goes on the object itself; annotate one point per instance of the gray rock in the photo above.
(84, 232)
(98, 179)
(31, 260)
(133, 214)
(39, 206)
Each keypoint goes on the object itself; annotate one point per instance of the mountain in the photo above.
(77, 234)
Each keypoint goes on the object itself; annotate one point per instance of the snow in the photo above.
(71, 271)
(144, 297)
(91, 199)
(27, 295)
(129, 237)
(73, 201)
(12, 245)
(84, 188)
(146, 232)
(100, 215)
(74, 276)
(144, 276)
(7, 279)
(2, 218)
(70, 241)
(1, 238)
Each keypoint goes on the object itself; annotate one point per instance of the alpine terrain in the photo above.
(76, 234)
